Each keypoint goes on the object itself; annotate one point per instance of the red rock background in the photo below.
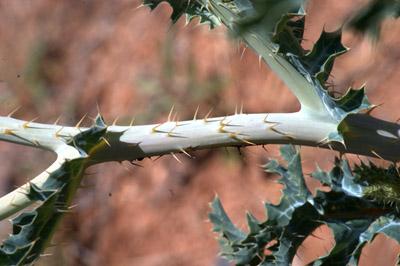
(63, 58)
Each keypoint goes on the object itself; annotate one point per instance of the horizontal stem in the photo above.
(363, 135)
(131, 143)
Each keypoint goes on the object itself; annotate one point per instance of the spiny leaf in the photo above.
(223, 225)
(351, 215)
(319, 61)
(296, 192)
(316, 66)
(191, 9)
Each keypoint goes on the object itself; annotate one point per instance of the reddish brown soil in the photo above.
(62, 58)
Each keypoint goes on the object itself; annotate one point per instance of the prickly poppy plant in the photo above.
(361, 202)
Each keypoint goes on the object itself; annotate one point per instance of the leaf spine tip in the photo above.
(373, 107)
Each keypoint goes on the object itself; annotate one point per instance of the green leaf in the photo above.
(191, 9)
(295, 193)
(223, 225)
(347, 236)
(319, 61)
(351, 215)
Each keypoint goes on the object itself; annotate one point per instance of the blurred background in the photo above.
(63, 58)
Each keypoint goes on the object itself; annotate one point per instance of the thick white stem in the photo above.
(18, 199)
(363, 135)
(130, 143)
